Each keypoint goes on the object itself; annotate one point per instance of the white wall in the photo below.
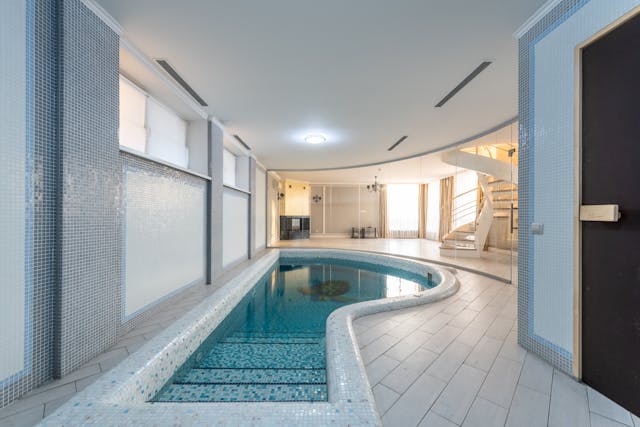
(229, 168)
(553, 152)
(198, 145)
(235, 224)
(261, 208)
(12, 186)
(165, 234)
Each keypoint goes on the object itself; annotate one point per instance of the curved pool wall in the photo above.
(121, 395)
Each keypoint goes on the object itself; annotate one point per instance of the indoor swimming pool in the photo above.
(275, 342)
(271, 346)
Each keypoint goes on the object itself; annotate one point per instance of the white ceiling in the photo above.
(410, 171)
(361, 72)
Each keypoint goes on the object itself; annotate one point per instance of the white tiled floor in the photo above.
(452, 363)
(457, 363)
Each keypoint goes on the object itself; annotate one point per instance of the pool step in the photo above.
(265, 356)
(255, 366)
(253, 376)
(271, 340)
(243, 393)
(283, 334)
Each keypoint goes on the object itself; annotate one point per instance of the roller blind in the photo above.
(132, 116)
(167, 134)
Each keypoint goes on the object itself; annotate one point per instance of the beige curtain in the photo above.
(384, 219)
(446, 201)
(422, 214)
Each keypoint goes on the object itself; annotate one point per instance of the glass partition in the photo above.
(457, 207)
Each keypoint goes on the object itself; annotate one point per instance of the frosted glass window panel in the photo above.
(261, 208)
(164, 237)
(167, 134)
(402, 210)
(235, 230)
(132, 116)
(433, 210)
(465, 198)
(228, 168)
(12, 186)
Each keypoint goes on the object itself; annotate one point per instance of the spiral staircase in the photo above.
(496, 195)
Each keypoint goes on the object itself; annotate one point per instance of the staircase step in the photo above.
(505, 191)
(263, 356)
(253, 376)
(506, 214)
(452, 244)
(461, 242)
(243, 393)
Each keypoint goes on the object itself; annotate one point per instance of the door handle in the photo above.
(603, 213)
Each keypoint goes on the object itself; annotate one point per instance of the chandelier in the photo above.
(375, 187)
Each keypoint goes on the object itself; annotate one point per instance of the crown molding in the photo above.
(168, 81)
(104, 16)
(536, 17)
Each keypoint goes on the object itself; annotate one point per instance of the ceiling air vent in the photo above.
(173, 73)
(244, 144)
(480, 68)
(398, 142)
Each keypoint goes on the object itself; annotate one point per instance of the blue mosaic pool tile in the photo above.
(253, 376)
(243, 393)
(275, 338)
(290, 356)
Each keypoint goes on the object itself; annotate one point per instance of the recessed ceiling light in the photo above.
(315, 139)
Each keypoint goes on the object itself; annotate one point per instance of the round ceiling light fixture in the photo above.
(315, 139)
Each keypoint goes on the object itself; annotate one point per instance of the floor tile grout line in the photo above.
(516, 389)
(553, 374)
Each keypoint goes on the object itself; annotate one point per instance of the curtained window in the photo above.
(433, 211)
(402, 210)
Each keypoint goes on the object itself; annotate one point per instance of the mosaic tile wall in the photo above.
(41, 198)
(178, 280)
(546, 192)
(526, 195)
(89, 203)
(16, 166)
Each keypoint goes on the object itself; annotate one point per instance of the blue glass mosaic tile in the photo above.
(253, 355)
(253, 376)
(244, 393)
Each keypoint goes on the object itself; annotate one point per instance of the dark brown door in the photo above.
(611, 250)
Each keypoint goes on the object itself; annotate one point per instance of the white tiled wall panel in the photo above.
(12, 186)
(235, 223)
(554, 104)
(546, 171)
(164, 237)
(261, 208)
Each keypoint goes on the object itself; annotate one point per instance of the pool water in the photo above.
(271, 347)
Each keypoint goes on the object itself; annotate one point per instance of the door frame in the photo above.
(577, 225)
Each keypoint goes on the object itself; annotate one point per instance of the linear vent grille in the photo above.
(244, 144)
(480, 68)
(398, 142)
(174, 74)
